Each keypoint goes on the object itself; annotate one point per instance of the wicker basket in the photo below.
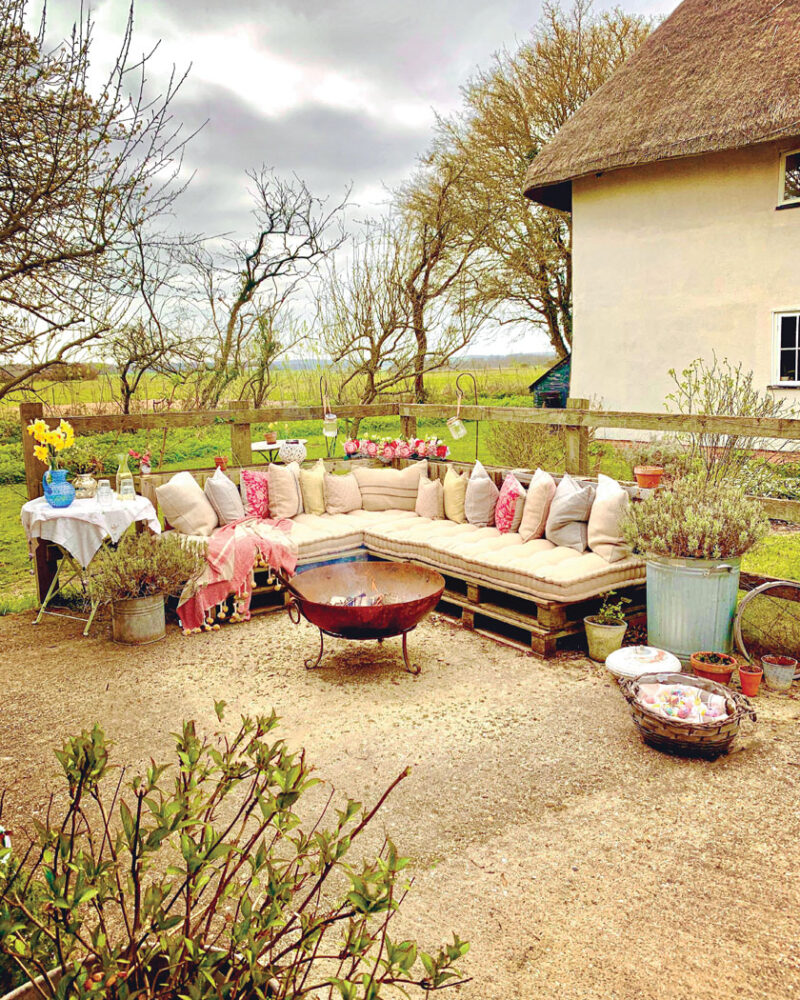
(703, 739)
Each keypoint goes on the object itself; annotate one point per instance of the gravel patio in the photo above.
(578, 862)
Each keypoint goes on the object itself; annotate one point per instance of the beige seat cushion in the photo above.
(312, 488)
(342, 493)
(481, 497)
(185, 505)
(285, 497)
(430, 499)
(605, 521)
(390, 489)
(455, 492)
(541, 490)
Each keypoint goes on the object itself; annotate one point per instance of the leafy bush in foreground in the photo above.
(196, 879)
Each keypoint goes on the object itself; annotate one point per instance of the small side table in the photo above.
(79, 532)
(269, 452)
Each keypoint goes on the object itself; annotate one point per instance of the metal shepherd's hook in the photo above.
(329, 435)
(460, 392)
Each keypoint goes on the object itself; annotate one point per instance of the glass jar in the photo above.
(104, 496)
(125, 488)
(456, 427)
(330, 425)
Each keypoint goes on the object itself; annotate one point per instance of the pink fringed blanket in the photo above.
(232, 554)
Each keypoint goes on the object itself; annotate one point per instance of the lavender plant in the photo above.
(197, 879)
(143, 565)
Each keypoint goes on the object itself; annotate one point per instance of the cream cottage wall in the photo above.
(673, 261)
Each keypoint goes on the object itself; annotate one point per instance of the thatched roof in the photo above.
(716, 75)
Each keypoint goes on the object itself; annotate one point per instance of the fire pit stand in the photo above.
(407, 593)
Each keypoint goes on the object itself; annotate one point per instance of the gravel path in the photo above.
(578, 862)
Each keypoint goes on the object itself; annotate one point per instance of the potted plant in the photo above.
(196, 878)
(693, 535)
(713, 666)
(750, 675)
(272, 434)
(221, 462)
(86, 464)
(143, 458)
(778, 671)
(136, 576)
(606, 629)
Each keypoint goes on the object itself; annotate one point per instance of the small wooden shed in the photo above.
(552, 388)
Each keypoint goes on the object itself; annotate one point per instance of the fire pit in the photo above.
(365, 600)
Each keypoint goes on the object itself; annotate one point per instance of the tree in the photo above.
(367, 320)
(245, 286)
(439, 246)
(509, 112)
(83, 176)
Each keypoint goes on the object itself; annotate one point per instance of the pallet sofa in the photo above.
(531, 594)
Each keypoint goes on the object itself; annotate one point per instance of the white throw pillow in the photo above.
(285, 497)
(430, 499)
(312, 486)
(609, 507)
(390, 489)
(569, 513)
(223, 495)
(342, 494)
(481, 498)
(541, 490)
(186, 506)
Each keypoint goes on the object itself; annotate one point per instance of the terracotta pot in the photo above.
(221, 462)
(648, 476)
(719, 672)
(271, 437)
(750, 679)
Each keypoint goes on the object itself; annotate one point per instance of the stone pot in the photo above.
(138, 621)
(603, 639)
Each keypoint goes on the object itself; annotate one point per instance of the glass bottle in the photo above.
(125, 488)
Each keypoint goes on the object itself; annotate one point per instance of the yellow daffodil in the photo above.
(40, 452)
(66, 428)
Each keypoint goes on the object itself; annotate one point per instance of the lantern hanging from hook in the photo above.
(330, 422)
(455, 424)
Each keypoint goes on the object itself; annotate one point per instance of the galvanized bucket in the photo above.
(138, 621)
(691, 604)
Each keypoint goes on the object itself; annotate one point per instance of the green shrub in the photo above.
(695, 519)
(197, 879)
(527, 446)
(143, 565)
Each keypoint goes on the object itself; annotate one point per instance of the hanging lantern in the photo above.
(330, 425)
(455, 424)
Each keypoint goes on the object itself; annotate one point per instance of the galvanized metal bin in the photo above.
(691, 604)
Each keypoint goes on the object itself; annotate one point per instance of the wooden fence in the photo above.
(577, 419)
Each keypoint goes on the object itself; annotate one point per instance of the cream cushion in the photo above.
(541, 490)
(569, 513)
(223, 495)
(285, 497)
(185, 505)
(342, 493)
(430, 499)
(481, 498)
(605, 521)
(390, 489)
(312, 487)
(455, 492)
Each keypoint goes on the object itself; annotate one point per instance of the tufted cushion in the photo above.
(569, 513)
(186, 506)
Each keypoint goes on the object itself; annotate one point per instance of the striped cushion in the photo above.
(390, 489)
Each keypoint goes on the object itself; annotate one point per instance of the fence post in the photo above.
(576, 442)
(45, 562)
(408, 426)
(241, 440)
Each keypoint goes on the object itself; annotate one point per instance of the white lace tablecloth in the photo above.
(82, 527)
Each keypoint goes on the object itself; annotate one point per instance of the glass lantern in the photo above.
(456, 427)
(330, 425)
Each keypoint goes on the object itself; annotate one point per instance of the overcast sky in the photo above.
(337, 91)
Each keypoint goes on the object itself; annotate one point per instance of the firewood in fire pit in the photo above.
(361, 600)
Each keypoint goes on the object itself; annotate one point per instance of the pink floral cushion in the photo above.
(255, 493)
(508, 512)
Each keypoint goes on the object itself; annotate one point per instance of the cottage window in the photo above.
(790, 178)
(787, 342)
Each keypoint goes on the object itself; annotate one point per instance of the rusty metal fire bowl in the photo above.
(409, 593)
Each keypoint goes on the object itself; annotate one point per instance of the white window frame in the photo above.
(777, 316)
(782, 200)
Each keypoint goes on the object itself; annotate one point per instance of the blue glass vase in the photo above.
(57, 492)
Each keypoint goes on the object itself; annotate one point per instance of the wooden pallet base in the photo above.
(538, 627)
